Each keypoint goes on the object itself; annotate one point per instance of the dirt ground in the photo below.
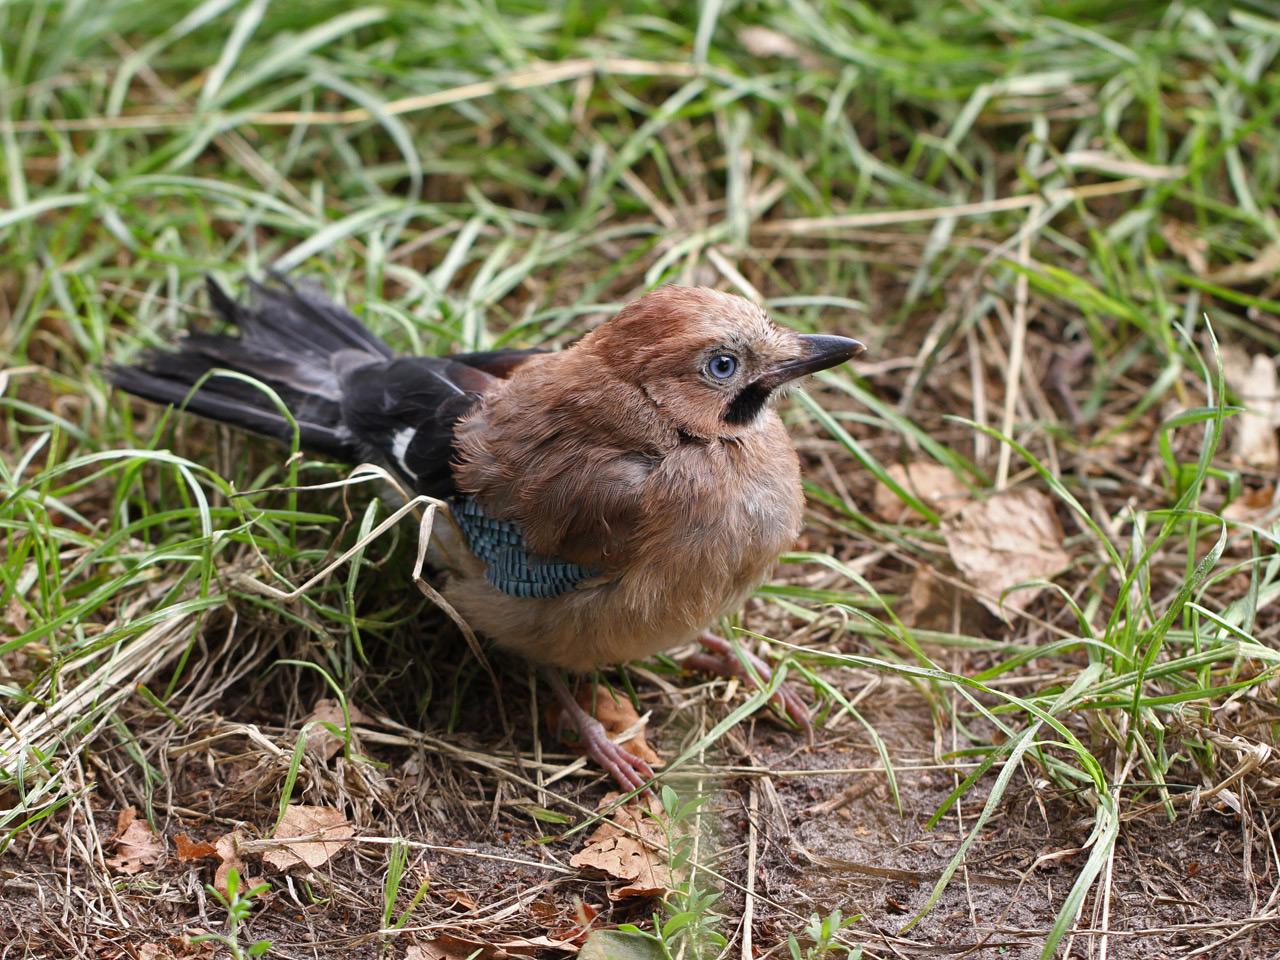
(818, 823)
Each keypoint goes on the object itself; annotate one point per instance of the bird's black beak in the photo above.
(819, 352)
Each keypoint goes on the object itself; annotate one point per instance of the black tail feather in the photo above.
(292, 340)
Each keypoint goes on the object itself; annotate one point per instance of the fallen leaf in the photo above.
(189, 849)
(459, 898)
(549, 914)
(532, 946)
(1255, 434)
(185, 944)
(448, 946)
(1006, 540)
(125, 819)
(763, 42)
(430, 951)
(617, 715)
(1186, 243)
(15, 616)
(137, 845)
(1256, 506)
(933, 483)
(930, 601)
(323, 743)
(326, 831)
(1262, 267)
(628, 847)
(227, 847)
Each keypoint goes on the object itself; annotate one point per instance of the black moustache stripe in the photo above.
(746, 406)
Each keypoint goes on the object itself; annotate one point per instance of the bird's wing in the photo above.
(497, 363)
(404, 411)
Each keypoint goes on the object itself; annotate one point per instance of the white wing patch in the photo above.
(400, 446)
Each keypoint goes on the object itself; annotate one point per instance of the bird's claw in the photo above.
(629, 771)
(718, 657)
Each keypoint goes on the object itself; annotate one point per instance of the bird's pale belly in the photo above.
(691, 567)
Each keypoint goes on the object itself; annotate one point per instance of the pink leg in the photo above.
(717, 657)
(629, 771)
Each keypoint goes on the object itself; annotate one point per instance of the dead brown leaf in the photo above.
(459, 899)
(1006, 540)
(227, 847)
(617, 715)
(448, 946)
(930, 600)
(15, 616)
(1186, 243)
(1256, 506)
(533, 946)
(764, 42)
(185, 946)
(323, 743)
(321, 833)
(1255, 434)
(933, 483)
(189, 849)
(137, 845)
(628, 847)
(431, 950)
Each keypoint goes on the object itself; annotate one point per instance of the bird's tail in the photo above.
(291, 339)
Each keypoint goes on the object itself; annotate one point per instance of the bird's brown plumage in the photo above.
(608, 501)
(617, 453)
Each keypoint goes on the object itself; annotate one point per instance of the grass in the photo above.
(1054, 224)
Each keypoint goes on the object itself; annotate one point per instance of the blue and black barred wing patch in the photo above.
(509, 564)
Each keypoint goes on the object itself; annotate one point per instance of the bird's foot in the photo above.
(717, 657)
(629, 771)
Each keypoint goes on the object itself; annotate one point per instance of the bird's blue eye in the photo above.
(723, 366)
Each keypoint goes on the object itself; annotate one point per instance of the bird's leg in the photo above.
(717, 657)
(629, 771)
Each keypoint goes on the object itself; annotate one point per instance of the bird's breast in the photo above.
(713, 519)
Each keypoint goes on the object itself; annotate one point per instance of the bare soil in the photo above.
(827, 836)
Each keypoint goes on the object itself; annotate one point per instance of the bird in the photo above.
(607, 501)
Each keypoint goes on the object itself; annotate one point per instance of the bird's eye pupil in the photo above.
(722, 367)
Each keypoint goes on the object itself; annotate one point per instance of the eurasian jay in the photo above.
(612, 499)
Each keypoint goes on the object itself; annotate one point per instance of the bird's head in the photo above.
(712, 362)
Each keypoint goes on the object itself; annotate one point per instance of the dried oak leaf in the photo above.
(930, 600)
(534, 946)
(137, 845)
(189, 850)
(617, 715)
(1188, 244)
(571, 926)
(1256, 506)
(763, 42)
(320, 833)
(933, 483)
(448, 946)
(185, 944)
(227, 848)
(628, 847)
(1255, 429)
(1006, 540)
(323, 743)
(459, 899)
